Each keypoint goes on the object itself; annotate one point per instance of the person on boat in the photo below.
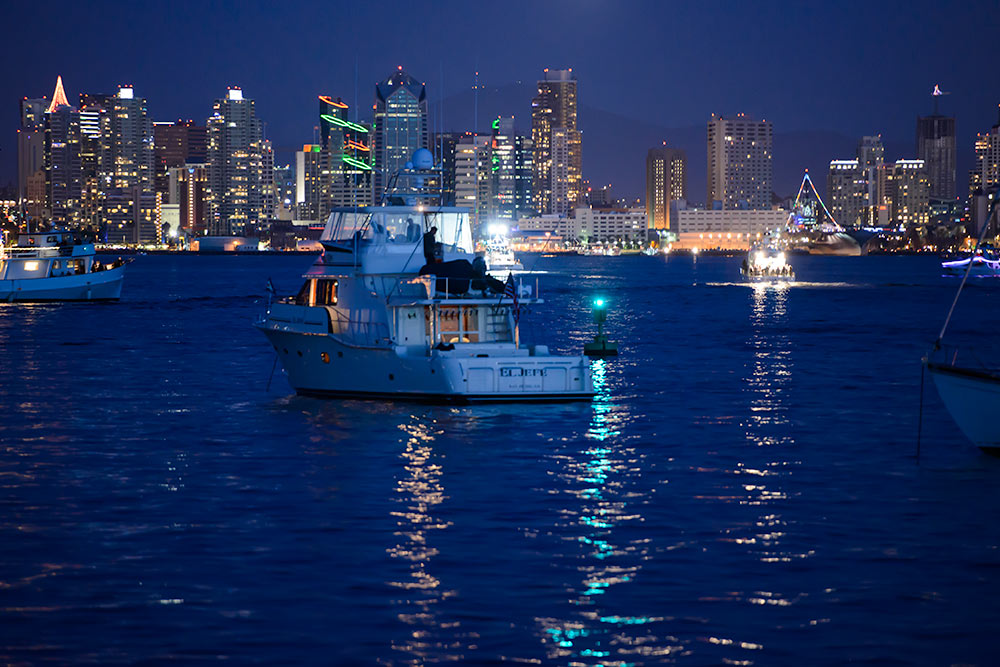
(430, 243)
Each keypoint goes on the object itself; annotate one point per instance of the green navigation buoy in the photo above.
(600, 347)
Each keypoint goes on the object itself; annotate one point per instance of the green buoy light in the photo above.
(600, 347)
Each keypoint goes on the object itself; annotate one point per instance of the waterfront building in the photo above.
(592, 225)
(472, 184)
(666, 181)
(739, 163)
(936, 147)
(558, 160)
(733, 229)
(236, 169)
(510, 173)
(847, 192)
(400, 126)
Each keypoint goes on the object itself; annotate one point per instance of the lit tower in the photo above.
(936, 147)
(348, 151)
(400, 125)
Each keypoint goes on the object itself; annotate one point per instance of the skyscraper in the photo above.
(444, 146)
(31, 156)
(846, 192)
(62, 162)
(400, 126)
(666, 181)
(558, 157)
(986, 170)
(739, 163)
(347, 151)
(471, 181)
(236, 171)
(936, 147)
(510, 173)
(176, 144)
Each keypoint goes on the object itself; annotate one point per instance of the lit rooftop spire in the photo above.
(58, 97)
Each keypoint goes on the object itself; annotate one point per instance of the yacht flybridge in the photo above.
(397, 306)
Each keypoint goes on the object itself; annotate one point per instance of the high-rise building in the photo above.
(908, 193)
(347, 152)
(510, 173)
(130, 145)
(236, 170)
(666, 181)
(557, 143)
(62, 159)
(176, 144)
(444, 146)
(846, 192)
(400, 126)
(472, 184)
(871, 157)
(96, 160)
(936, 147)
(985, 174)
(739, 163)
(189, 189)
(31, 156)
(312, 181)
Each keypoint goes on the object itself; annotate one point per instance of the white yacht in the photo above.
(56, 266)
(393, 308)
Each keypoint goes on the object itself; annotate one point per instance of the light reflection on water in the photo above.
(600, 476)
(418, 492)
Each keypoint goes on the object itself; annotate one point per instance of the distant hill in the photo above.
(615, 145)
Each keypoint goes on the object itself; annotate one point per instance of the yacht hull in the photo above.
(98, 286)
(324, 366)
(973, 399)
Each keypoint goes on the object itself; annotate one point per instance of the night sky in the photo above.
(648, 71)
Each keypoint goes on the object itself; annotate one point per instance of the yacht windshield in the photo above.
(400, 224)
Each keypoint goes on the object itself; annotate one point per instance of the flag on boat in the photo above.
(270, 287)
(510, 289)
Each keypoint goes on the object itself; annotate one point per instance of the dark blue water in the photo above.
(743, 490)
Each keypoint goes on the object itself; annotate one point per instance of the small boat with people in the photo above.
(398, 306)
(968, 378)
(766, 263)
(500, 259)
(57, 265)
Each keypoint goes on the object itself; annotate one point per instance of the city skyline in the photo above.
(602, 44)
